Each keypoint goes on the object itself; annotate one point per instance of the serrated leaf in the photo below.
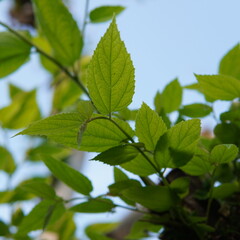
(74, 179)
(158, 198)
(223, 153)
(171, 96)
(96, 205)
(149, 127)
(104, 13)
(111, 73)
(62, 128)
(60, 29)
(219, 87)
(102, 134)
(7, 163)
(196, 110)
(230, 62)
(13, 53)
(117, 155)
(177, 146)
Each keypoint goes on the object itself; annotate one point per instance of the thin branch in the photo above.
(85, 19)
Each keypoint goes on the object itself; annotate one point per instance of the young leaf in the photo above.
(13, 53)
(7, 163)
(230, 62)
(104, 13)
(171, 96)
(196, 110)
(149, 127)
(97, 205)
(111, 73)
(156, 198)
(223, 153)
(117, 155)
(219, 87)
(68, 175)
(60, 29)
(177, 146)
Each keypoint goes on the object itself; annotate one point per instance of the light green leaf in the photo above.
(60, 29)
(7, 163)
(223, 153)
(230, 62)
(180, 185)
(195, 110)
(62, 128)
(111, 73)
(14, 91)
(119, 175)
(171, 96)
(13, 53)
(68, 175)
(177, 146)
(102, 134)
(149, 127)
(96, 205)
(158, 198)
(104, 13)
(219, 87)
(117, 155)
(224, 190)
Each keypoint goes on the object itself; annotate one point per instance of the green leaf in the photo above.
(13, 91)
(224, 190)
(111, 73)
(7, 163)
(17, 217)
(102, 134)
(97, 205)
(117, 155)
(104, 13)
(13, 53)
(17, 114)
(171, 96)
(60, 29)
(196, 110)
(232, 115)
(219, 87)
(62, 128)
(149, 127)
(230, 62)
(223, 153)
(40, 189)
(4, 229)
(177, 146)
(180, 185)
(119, 175)
(68, 175)
(158, 198)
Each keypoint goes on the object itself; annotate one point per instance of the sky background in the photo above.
(166, 39)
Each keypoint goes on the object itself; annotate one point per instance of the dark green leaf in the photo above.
(17, 217)
(224, 190)
(4, 229)
(180, 185)
(119, 175)
(195, 110)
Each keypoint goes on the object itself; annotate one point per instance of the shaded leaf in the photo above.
(195, 110)
(119, 175)
(224, 190)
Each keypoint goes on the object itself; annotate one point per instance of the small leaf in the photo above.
(158, 198)
(7, 163)
(4, 229)
(149, 127)
(196, 110)
(60, 29)
(172, 96)
(68, 175)
(180, 185)
(119, 175)
(219, 87)
(104, 13)
(117, 155)
(111, 73)
(96, 205)
(177, 146)
(224, 190)
(14, 91)
(230, 62)
(223, 153)
(13, 53)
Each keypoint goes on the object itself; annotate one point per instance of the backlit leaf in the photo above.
(7, 163)
(195, 110)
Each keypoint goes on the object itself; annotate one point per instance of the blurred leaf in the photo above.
(17, 217)
(4, 229)
(7, 163)
(224, 190)
(12, 196)
(14, 90)
(119, 175)
(196, 110)
(181, 185)
(232, 116)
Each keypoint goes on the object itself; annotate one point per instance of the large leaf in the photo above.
(223, 153)
(230, 62)
(155, 198)
(219, 87)
(102, 134)
(13, 53)
(177, 146)
(195, 110)
(104, 13)
(68, 175)
(225, 190)
(7, 163)
(149, 127)
(111, 73)
(60, 29)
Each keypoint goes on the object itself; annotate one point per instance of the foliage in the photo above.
(185, 202)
